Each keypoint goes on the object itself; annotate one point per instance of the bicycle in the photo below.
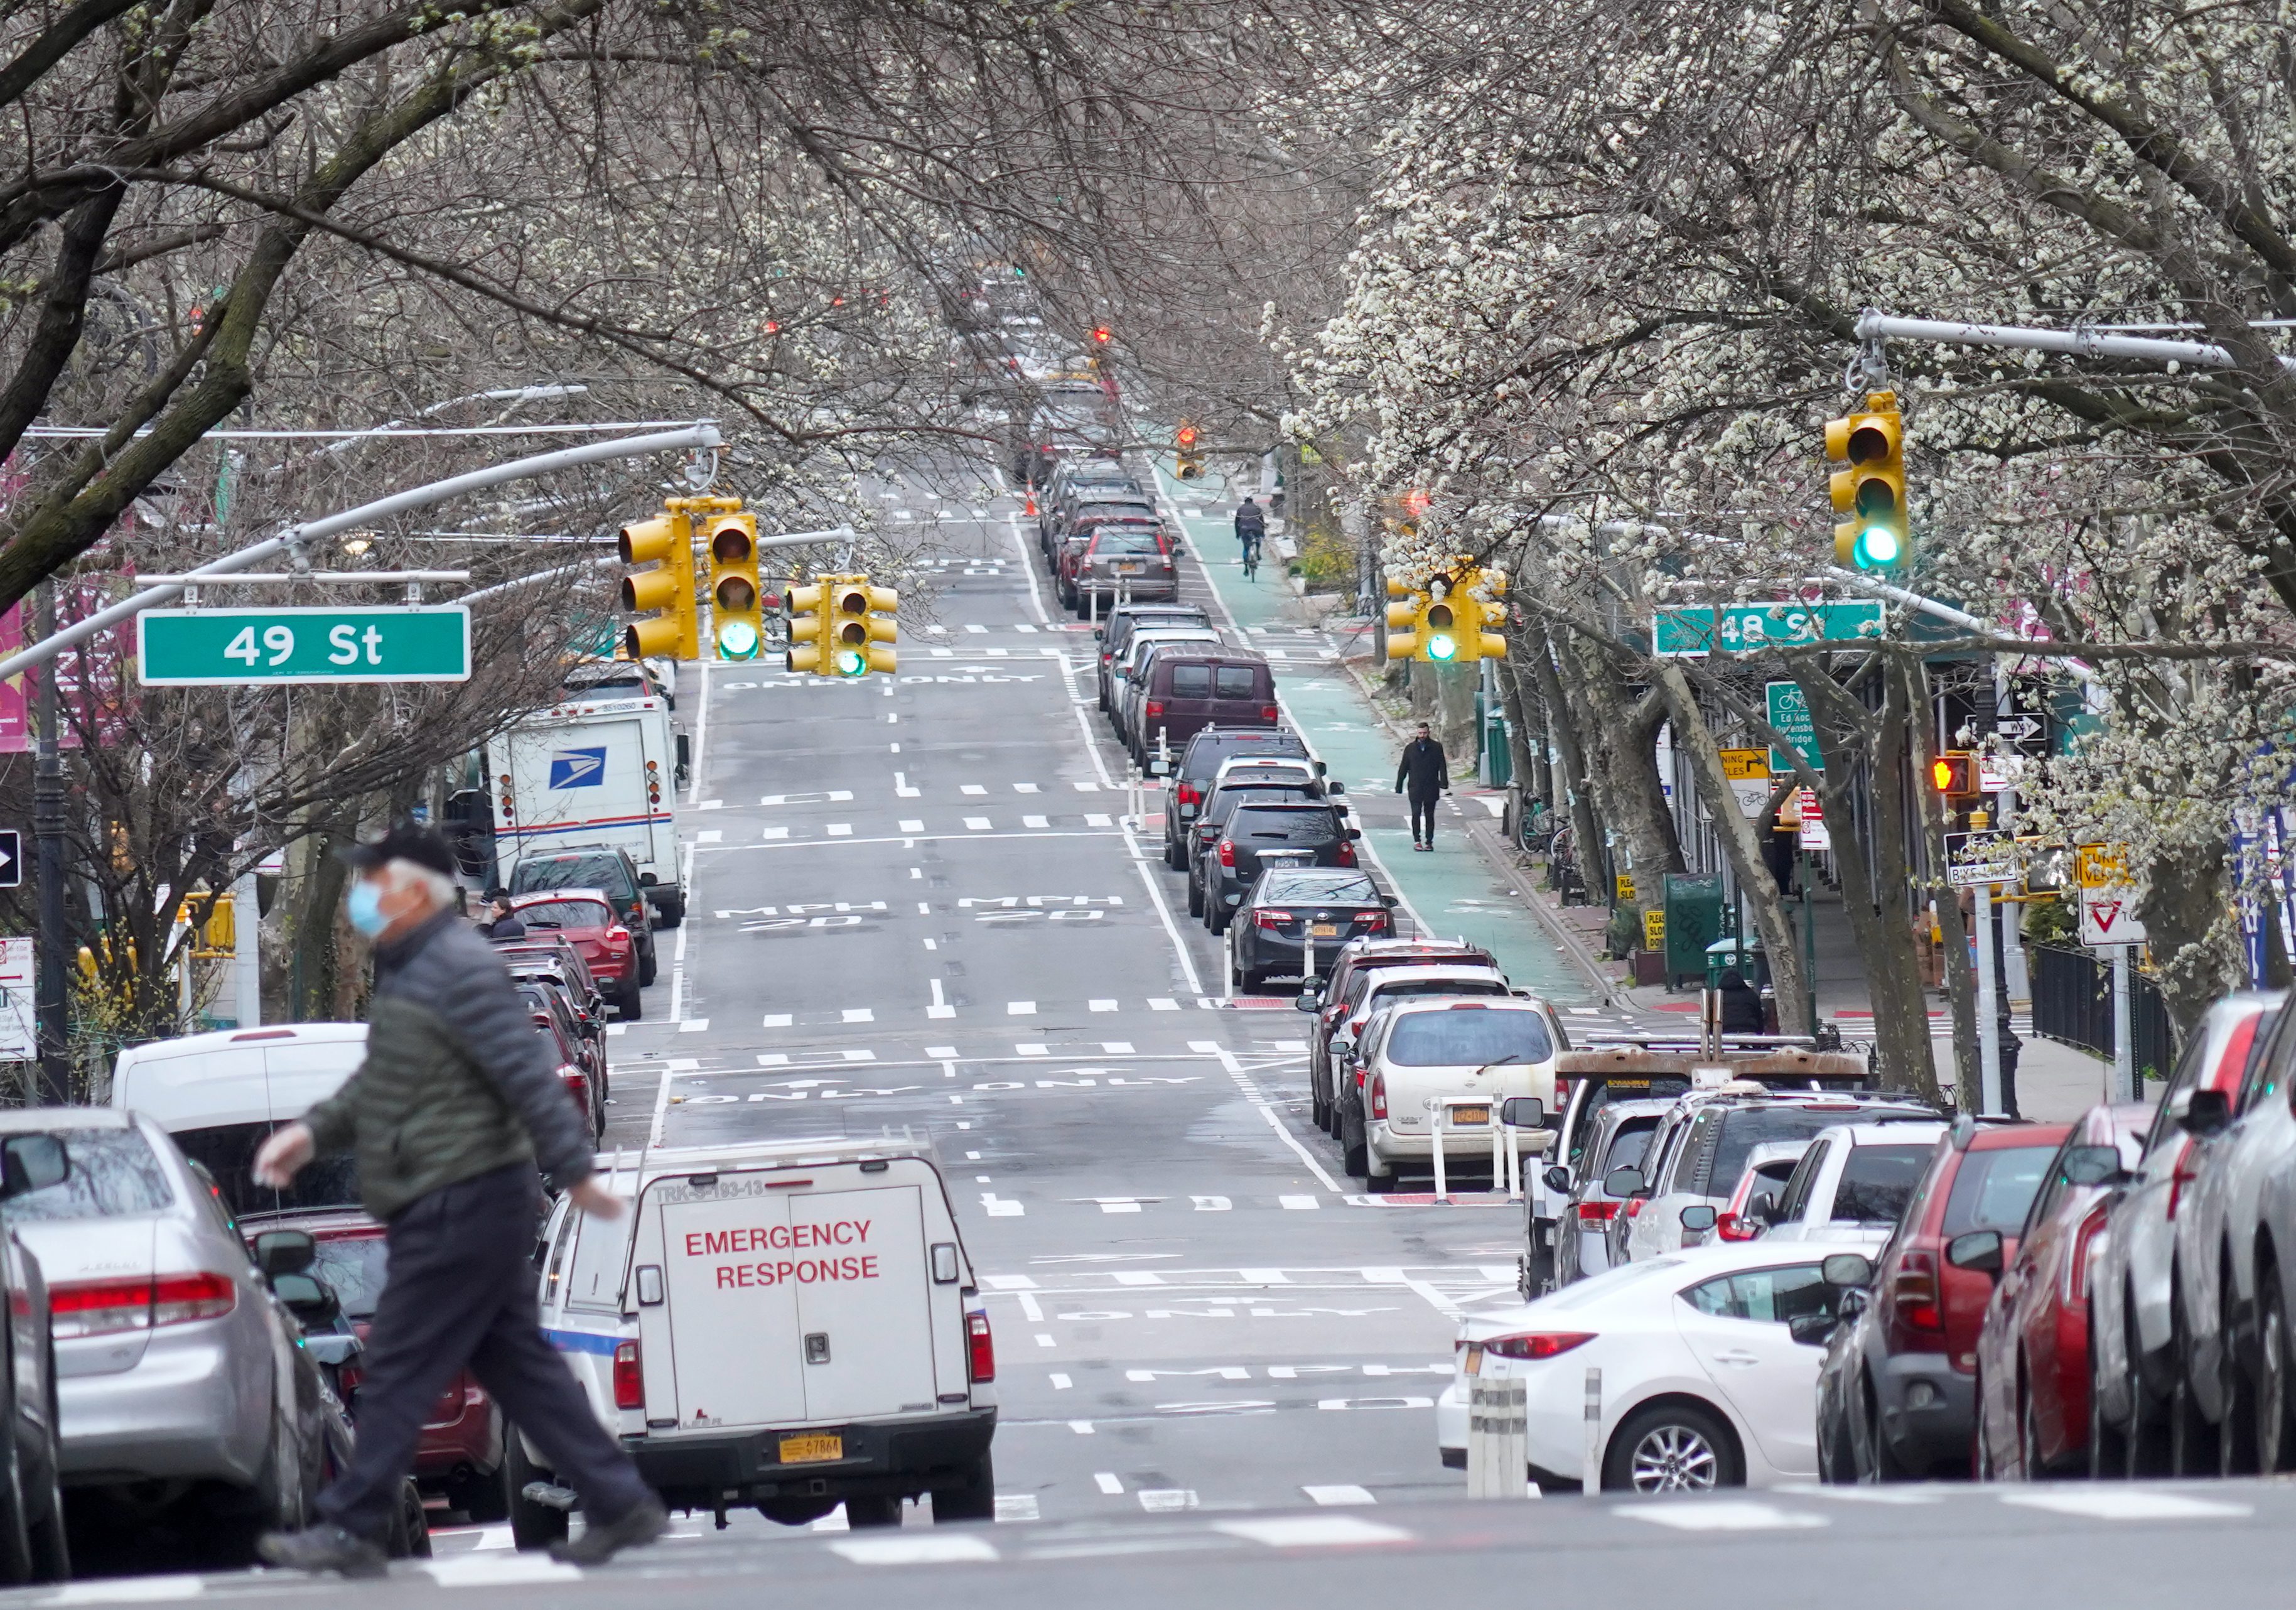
(1251, 558)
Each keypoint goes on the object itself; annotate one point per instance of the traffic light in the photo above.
(664, 544)
(855, 630)
(1871, 492)
(1102, 334)
(1954, 774)
(1190, 462)
(808, 627)
(1403, 622)
(1440, 625)
(734, 592)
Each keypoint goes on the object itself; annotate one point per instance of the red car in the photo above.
(1896, 1394)
(588, 1087)
(460, 1456)
(586, 917)
(2032, 1355)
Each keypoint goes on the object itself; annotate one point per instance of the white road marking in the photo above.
(976, 628)
(1096, 819)
(976, 824)
(1162, 1003)
(860, 1015)
(939, 1008)
(1108, 1481)
(910, 825)
(1116, 1048)
(778, 1020)
(1045, 822)
(999, 1207)
(1157, 1500)
(1268, 1111)
(494, 1570)
(1019, 1008)
(1044, 1340)
(693, 1025)
(710, 836)
(841, 830)
(1299, 1204)
(1100, 1005)
(127, 1590)
(1083, 1428)
(1163, 911)
(921, 1547)
(972, 788)
(1025, 788)
(940, 1052)
(2128, 1504)
(775, 833)
(1313, 1531)
(1340, 1493)
(1061, 1383)
(1211, 1205)
(1723, 1515)
(1016, 1507)
(901, 789)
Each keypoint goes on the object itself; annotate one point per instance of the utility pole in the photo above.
(49, 998)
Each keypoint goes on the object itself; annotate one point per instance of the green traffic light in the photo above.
(1878, 547)
(1441, 647)
(851, 663)
(737, 640)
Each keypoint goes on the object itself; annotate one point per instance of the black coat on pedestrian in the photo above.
(1742, 1005)
(1424, 771)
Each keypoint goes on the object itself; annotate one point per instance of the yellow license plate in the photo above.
(1324, 930)
(811, 1449)
(1130, 569)
(1461, 1117)
(1474, 1359)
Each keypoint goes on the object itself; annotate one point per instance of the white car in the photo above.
(1853, 1183)
(1373, 988)
(1709, 1369)
(1417, 1055)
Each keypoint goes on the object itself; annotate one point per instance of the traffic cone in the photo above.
(1032, 506)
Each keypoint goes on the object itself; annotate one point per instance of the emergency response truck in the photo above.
(787, 1325)
(600, 770)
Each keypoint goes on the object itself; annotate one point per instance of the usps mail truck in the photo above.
(787, 1325)
(592, 772)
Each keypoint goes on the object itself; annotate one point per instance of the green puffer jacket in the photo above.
(457, 1082)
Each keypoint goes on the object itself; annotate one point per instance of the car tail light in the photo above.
(1347, 856)
(629, 1380)
(1599, 1212)
(981, 1348)
(577, 1086)
(1268, 713)
(1227, 852)
(1378, 1096)
(2088, 1241)
(618, 935)
(1190, 795)
(1731, 1227)
(96, 1308)
(1373, 919)
(2181, 1176)
(1538, 1344)
(1913, 1293)
(1155, 709)
(636, 912)
(1274, 921)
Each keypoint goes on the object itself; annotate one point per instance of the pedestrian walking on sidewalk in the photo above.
(447, 1118)
(1741, 1004)
(1424, 775)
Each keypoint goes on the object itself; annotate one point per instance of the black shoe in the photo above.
(599, 1544)
(322, 1547)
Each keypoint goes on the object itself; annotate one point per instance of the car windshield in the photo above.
(1126, 539)
(565, 914)
(1203, 759)
(1877, 1182)
(1438, 986)
(602, 872)
(353, 1266)
(1298, 889)
(112, 1172)
(1991, 1190)
(1469, 1038)
(228, 1152)
(1631, 1142)
(1285, 825)
(1745, 1128)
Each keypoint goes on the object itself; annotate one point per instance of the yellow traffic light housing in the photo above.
(664, 593)
(1483, 642)
(738, 617)
(1871, 492)
(1188, 460)
(808, 621)
(857, 633)
(1403, 622)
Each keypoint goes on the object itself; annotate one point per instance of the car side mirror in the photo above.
(1355, 832)
(32, 1163)
(285, 1252)
(1763, 1209)
(1978, 1251)
(1156, 768)
(1523, 1111)
(1699, 1217)
(310, 1300)
(2095, 1165)
(1623, 1182)
(1849, 1271)
(1557, 1178)
(1099, 634)
(1811, 1330)
(1308, 1000)
(336, 1350)
(646, 880)
(1389, 901)
(1333, 786)
(2202, 1112)
(1342, 1044)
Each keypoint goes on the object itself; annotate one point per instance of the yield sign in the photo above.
(2108, 916)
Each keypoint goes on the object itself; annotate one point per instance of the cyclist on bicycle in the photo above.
(1250, 527)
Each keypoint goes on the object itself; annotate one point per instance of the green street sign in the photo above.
(1690, 631)
(1790, 714)
(206, 648)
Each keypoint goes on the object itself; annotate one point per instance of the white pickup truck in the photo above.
(786, 1325)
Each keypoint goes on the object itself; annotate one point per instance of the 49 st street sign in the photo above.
(210, 647)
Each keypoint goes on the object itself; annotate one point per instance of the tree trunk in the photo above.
(1520, 757)
(1455, 712)
(2195, 951)
(1574, 786)
(1741, 844)
(1627, 756)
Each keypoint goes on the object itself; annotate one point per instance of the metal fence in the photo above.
(2072, 1002)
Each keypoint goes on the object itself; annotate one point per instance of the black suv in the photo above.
(1199, 763)
(602, 868)
(1306, 832)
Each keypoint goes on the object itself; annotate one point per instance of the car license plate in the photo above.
(811, 1449)
(1474, 1359)
(1464, 1117)
(1324, 930)
(1130, 569)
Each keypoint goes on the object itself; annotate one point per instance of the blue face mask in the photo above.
(365, 908)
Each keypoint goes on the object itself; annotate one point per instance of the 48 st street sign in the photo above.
(211, 647)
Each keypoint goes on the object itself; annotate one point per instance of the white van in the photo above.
(784, 1325)
(221, 1095)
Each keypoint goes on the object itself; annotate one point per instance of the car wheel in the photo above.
(1671, 1448)
(2147, 1441)
(1318, 1109)
(487, 1499)
(2030, 1465)
(532, 1525)
(15, 1528)
(2275, 1446)
(973, 1498)
(1215, 919)
(1377, 1177)
(670, 913)
(44, 1527)
(648, 967)
(409, 1536)
(1172, 856)
(1195, 898)
(1883, 1465)
(875, 1509)
(2192, 1440)
(2108, 1440)
(631, 1004)
(1355, 1159)
(2236, 1396)
(1837, 1460)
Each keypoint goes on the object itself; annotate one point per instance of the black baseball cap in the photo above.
(406, 842)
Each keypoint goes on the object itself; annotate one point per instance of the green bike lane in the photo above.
(1450, 891)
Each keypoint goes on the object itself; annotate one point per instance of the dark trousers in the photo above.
(461, 1291)
(1422, 815)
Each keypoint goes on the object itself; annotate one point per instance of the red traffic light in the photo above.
(1101, 333)
(1187, 436)
(1954, 776)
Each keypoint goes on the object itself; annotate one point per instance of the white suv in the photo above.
(1852, 1184)
(1417, 1055)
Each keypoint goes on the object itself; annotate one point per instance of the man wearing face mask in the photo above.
(448, 1117)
